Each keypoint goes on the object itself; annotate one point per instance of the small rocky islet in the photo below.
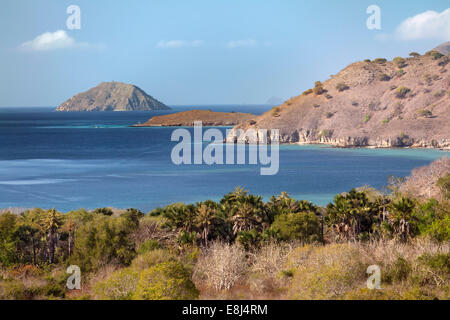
(112, 96)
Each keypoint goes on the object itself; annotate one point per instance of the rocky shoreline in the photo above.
(253, 136)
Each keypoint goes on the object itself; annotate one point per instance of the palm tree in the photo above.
(246, 217)
(351, 214)
(204, 220)
(180, 216)
(233, 197)
(401, 217)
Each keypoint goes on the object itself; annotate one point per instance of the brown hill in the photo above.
(404, 102)
(207, 117)
(112, 96)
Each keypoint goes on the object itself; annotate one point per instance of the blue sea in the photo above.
(88, 160)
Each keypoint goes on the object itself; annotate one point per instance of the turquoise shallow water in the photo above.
(89, 160)
(424, 154)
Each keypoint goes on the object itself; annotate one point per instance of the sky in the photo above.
(200, 52)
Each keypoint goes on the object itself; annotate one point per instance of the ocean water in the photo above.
(89, 160)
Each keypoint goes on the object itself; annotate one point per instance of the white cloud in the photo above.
(426, 25)
(52, 41)
(174, 44)
(242, 43)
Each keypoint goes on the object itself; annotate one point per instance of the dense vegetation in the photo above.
(238, 247)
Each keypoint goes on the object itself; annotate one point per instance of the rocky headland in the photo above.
(400, 103)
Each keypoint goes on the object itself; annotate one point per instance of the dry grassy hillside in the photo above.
(207, 117)
(404, 102)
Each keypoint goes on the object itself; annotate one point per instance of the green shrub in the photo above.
(288, 273)
(8, 243)
(444, 184)
(304, 226)
(329, 114)
(276, 112)
(385, 121)
(439, 93)
(380, 60)
(105, 240)
(366, 118)
(165, 281)
(425, 113)
(400, 62)
(444, 61)
(306, 92)
(414, 54)
(148, 245)
(53, 289)
(438, 262)
(187, 238)
(439, 229)
(427, 77)
(11, 289)
(341, 87)
(319, 90)
(433, 269)
(121, 285)
(398, 271)
(104, 211)
(327, 273)
(367, 60)
(151, 258)
(401, 92)
(434, 54)
(249, 239)
(289, 102)
(325, 133)
(383, 77)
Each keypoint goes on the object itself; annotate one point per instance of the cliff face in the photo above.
(399, 103)
(112, 96)
(207, 117)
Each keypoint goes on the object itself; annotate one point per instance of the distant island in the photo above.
(274, 101)
(207, 117)
(372, 103)
(112, 96)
